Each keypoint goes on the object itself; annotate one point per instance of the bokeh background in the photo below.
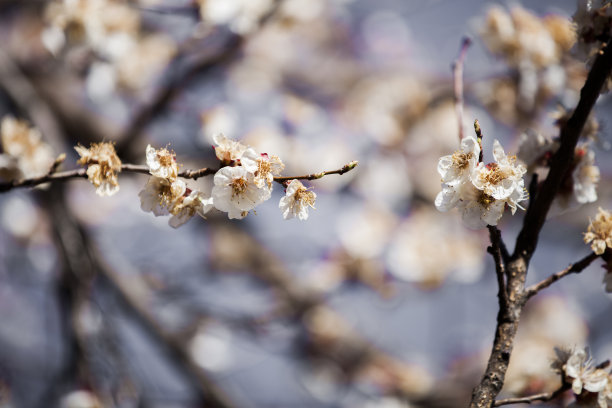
(377, 300)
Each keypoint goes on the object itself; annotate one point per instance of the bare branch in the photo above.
(574, 268)
(500, 265)
(315, 176)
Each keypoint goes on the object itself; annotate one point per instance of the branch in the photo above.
(544, 397)
(315, 176)
(457, 68)
(561, 161)
(500, 265)
(574, 268)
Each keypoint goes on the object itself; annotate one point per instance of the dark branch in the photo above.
(574, 268)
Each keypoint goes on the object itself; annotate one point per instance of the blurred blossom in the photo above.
(242, 16)
(218, 119)
(386, 402)
(384, 178)
(547, 323)
(324, 380)
(429, 247)
(101, 81)
(210, 348)
(386, 35)
(364, 230)
(20, 216)
(303, 10)
(25, 153)
(80, 399)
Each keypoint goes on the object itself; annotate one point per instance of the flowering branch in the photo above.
(458, 82)
(543, 397)
(508, 318)
(573, 268)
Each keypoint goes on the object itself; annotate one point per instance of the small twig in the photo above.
(478, 138)
(543, 397)
(458, 82)
(315, 176)
(574, 268)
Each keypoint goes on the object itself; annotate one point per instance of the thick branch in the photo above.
(574, 268)
(562, 160)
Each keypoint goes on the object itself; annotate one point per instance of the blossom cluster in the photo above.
(599, 235)
(591, 385)
(103, 164)
(165, 193)
(481, 192)
(25, 154)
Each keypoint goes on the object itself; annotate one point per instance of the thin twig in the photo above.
(458, 82)
(315, 176)
(142, 169)
(574, 268)
(543, 397)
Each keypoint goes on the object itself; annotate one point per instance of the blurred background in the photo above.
(377, 300)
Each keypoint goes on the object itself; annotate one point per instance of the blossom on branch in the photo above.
(263, 166)
(162, 163)
(296, 201)
(481, 192)
(236, 193)
(227, 150)
(103, 164)
(599, 232)
(190, 204)
(160, 195)
(576, 367)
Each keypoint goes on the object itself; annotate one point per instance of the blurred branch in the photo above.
(544, 397)
(176, 79)
(491, 384)
(457, 68)
(80, 252)
(574, 268)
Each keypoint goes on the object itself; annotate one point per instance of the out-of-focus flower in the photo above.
(195, 202)
(599, 232)
(103, 164)
(227, 150)
(236, 193)
(263, 166)
(585, 176)
(25, 153)
(242, 16)
(80, 399)
(162, 163)
(144, 61)
(577, 368)
(521, 36)
(428, 248)
(296, 201)
(160, 195)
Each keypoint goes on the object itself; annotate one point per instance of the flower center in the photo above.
(462, 160)
(239, 186)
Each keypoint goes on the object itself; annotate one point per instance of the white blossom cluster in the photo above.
(592, 386)
(481, 192)
(244, 181)
(166, 194)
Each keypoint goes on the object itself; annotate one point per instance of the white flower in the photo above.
(599, 232)
(296, 201)
(502, 180)
(187, 206)
(236, 193)
(585, 176)
(263, 167)
(162, 163)
(578, 368)
(227, 150)
(457, 167)
(160, 195)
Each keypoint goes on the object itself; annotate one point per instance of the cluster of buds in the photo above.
(599, 235)
(103, 164)
(480, 191)
(591, 385)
